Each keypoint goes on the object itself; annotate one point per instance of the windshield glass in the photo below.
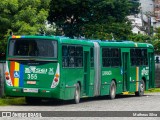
(33, 47)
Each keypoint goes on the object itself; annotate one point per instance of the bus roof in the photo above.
(125, 44)
(76, 41)
(64, 40)
(67, 40)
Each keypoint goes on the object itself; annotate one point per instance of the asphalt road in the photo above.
(148, 102)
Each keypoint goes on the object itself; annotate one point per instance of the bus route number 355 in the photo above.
(32, 76)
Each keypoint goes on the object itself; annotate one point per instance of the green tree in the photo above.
(135, 4)
(91, 17)
(156, 41)
(22, 17)
(140, 38)
(117, 31)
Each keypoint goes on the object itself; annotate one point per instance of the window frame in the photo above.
(11, 48)
(110, 55)
(139, 57)
(75, 56)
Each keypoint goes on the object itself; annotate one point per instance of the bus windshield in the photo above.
(33, 47)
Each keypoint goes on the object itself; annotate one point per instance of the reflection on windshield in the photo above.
(29, 47)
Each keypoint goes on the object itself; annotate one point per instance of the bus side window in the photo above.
(113, 57)
(112, 50)
(71, 50)
(106, 57)
(79, 57)
(92, 57)
(65, 56)
(145, 57)
(132, 56)
(118, 57)
(138, 57)
(72, 56)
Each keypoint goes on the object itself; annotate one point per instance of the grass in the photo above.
(153, 90)
(12, 101)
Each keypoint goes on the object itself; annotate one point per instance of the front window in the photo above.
(33, 47)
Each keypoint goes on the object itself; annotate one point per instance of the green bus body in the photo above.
(93, 65)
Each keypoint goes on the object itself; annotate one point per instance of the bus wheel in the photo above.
(112, 91)
(141, 89)
(32, 100)
(77, 94)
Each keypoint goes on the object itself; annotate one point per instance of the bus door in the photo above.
(151, 70)
(125, 70)
(86, 73)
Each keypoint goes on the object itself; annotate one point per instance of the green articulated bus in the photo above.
(39, 67)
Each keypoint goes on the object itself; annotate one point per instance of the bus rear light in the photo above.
(57, 75)
(56, 79)
(6, 73)
(7, 77)
(8, 80)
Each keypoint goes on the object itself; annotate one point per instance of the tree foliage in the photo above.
(22, 17)
(154, 40)
(140, 38)
(134, 7)
(91, 18)
(108, 31)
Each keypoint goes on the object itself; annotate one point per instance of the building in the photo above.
(149, 17)
(137, 30)
(137, 26)
(157, 12)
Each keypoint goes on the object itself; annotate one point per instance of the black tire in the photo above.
(112, 91)
(77, 94)
(33, 100)
(141, 90)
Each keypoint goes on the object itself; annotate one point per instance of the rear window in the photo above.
(33, 47)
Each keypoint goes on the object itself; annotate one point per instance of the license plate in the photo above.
(31, 90)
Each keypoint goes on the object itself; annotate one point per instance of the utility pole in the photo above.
(149, 24)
